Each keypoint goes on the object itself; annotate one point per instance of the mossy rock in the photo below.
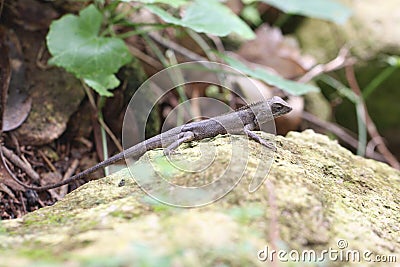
(316, 194)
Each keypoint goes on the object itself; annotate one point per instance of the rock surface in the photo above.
(318, 195)
(56, 95)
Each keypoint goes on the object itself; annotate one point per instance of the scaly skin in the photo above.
(241, 121)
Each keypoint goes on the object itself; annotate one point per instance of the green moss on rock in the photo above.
(316, 194)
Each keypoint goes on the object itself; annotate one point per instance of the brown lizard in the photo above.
(241, 121)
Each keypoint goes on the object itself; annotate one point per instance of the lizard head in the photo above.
(271, 108)
(278, 106)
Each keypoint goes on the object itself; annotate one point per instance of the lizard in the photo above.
(241, 121)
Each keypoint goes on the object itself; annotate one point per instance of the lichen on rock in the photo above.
(317, 194)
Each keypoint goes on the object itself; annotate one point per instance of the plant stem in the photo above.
(178, 79)
(379, 79)
(100, 106)
(137, 32)
(101, 121)
(203, 44)
(156, 50)
(350, 95)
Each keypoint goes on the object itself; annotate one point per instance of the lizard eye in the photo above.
(276, 107)
(280, 109)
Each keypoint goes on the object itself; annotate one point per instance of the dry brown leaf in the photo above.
(19, 102)
(281, 53)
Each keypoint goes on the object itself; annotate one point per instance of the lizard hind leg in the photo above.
(247, 130)
(182, 138)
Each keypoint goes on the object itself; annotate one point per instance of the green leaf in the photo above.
(250, 13)
(173, 3)
(208, 16)
(321, 9)
(289, 86)
(101, 84)
(165, 15)
(75, 45)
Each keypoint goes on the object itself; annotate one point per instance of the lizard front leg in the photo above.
(248, 131)
(182, 138)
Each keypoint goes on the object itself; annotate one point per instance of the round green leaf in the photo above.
(75, 45)
(101, 84)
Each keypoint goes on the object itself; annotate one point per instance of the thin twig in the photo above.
(101, 121)
(84, 141)
(46, 159)
(178, 78)
(373, 132)
(218, 43)
(155, 50)
(340, 132)
(68, 174)
(20, 185)
(20, 163)
(202, 44)
(22, 202)
(42, 65)
(176, 47)
(7, 190)
(195, 103)
(111, 134)
(144, 57)
(71, 169)
(15, 143)
(341, 60)
(355, 99)
(332, 127)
